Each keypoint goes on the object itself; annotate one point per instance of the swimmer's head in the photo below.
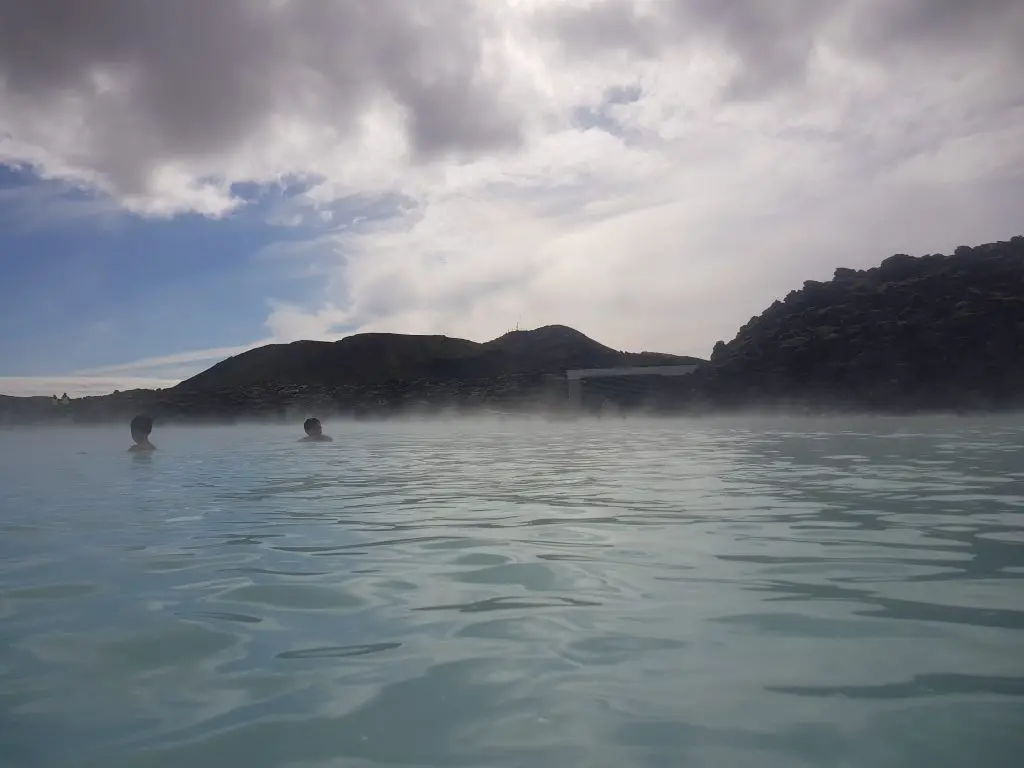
(141, 426)
(312, 427)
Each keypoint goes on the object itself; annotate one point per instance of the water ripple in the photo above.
(762, 592)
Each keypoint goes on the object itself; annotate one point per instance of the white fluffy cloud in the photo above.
(652, 172)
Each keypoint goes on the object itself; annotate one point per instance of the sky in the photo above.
(181, 181)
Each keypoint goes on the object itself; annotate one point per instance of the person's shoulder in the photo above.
(327, 439)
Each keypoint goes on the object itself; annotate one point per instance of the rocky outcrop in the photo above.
(931, 332)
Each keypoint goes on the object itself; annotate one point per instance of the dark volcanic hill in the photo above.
(370, 358)
(932, 331)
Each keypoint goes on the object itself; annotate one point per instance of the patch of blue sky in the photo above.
(83, 284)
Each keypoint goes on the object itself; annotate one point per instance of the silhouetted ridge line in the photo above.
(933, 332)
(374, 358)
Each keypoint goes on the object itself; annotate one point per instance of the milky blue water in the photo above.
(611, 593)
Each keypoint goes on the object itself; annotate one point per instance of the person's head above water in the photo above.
(314, 431)
(141, 426)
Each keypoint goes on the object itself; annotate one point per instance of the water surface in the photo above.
(611, 593)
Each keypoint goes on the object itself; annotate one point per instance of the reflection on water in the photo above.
(719, 593)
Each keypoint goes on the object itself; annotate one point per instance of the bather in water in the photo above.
(141, 426)
(315, 432)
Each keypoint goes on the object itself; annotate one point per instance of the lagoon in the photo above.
(701, 592)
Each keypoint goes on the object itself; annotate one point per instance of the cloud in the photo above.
(43, 206)
(286, 323)
(161, 372)
(773, 45)
(76, 386)
(153, 365)
(653, 172)
(163, 104)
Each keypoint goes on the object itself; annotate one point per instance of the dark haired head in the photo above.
(141, 426)
(311, 426)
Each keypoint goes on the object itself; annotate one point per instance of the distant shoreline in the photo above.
(220, 409)
(914, 335)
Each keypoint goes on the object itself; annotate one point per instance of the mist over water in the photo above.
(709, 592)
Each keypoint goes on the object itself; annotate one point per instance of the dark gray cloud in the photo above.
(774, 41)
(952, 25)
(115, 89)
(198, 77)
